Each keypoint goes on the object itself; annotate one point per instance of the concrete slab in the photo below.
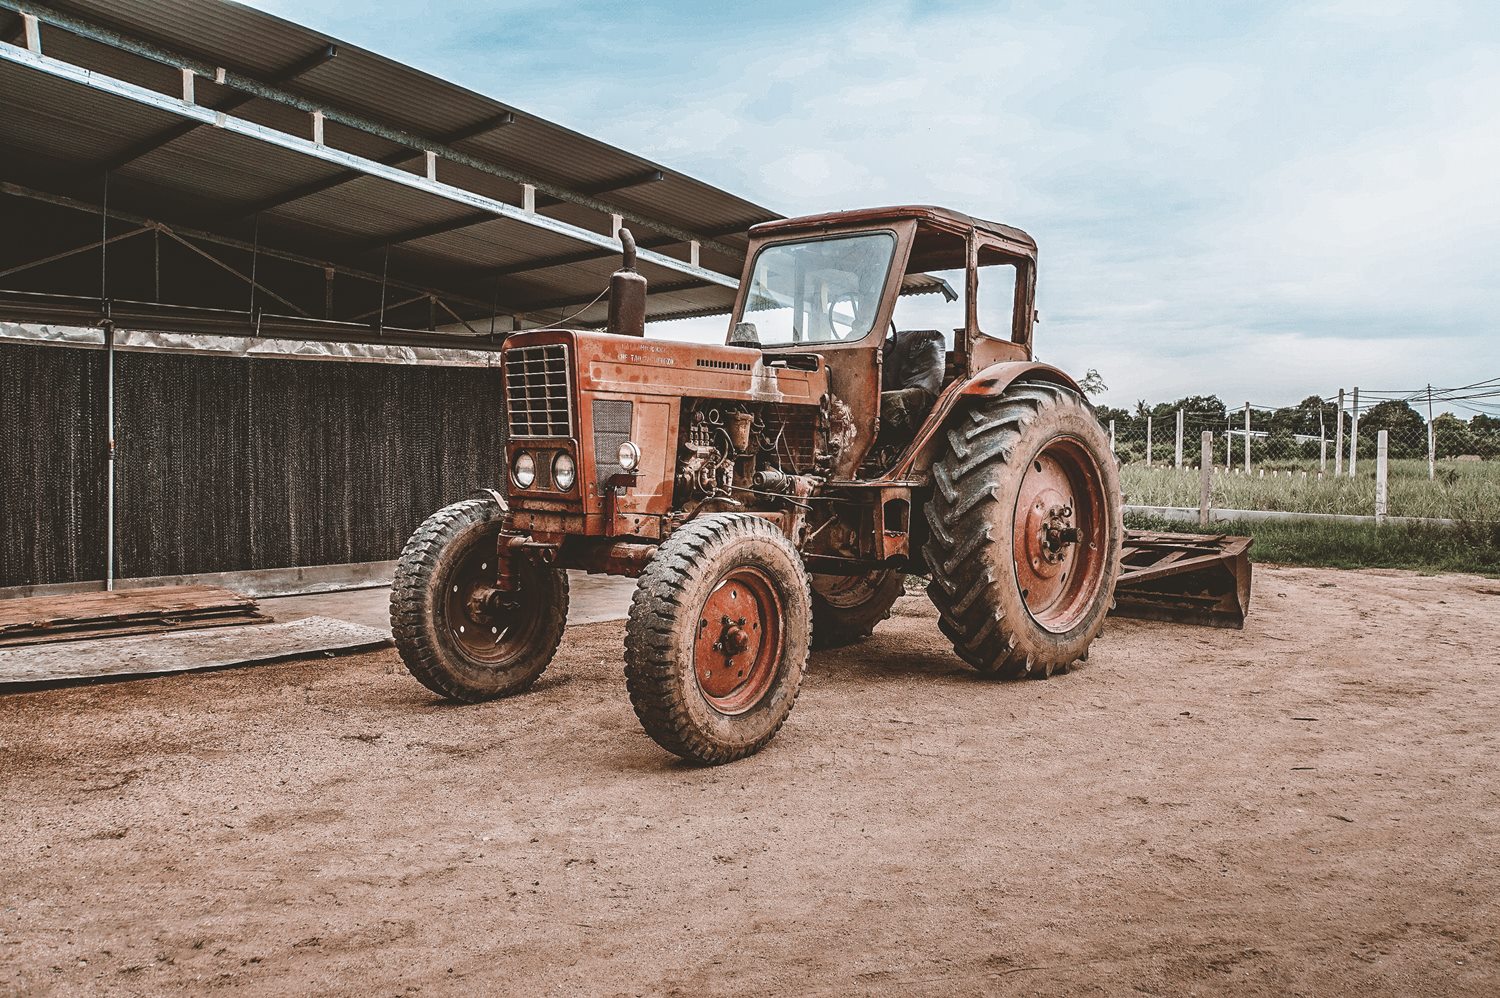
(592, 598)
(183, 651)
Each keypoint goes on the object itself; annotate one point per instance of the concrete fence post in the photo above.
(1205, 475)
(1431, 441)
(1148, 441)
(1112, 436)
(1354, 433)
(1382, 441)
(1179, 439)
(1338, 437)
(1247, 438)
(1322, 443)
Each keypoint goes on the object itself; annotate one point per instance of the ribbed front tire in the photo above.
(449, 643)
(717, 640)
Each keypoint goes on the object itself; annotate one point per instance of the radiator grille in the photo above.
(611, 429)
(538, 393)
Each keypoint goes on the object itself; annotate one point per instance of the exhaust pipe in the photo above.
(627, 293)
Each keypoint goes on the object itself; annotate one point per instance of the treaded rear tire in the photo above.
(836, 625)
(661, 638)
(419, 611)
(972, 516)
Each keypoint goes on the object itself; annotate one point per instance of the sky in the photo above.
(1259, 201)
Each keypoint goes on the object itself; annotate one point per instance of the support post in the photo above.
(1354, 433)
(1247, 438)
(33, 32)
(1205, 477)
(1179, 439)
(1112, 436)
(1382, 441)
(1148, 440)
(1431, 440)
(109, 444)
(1338, 436)
(1322, 443)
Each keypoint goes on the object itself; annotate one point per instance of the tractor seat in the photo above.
(911, 376)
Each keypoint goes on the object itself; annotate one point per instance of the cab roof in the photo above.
(945, 218)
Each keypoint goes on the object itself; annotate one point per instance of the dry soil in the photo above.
(1308, 806)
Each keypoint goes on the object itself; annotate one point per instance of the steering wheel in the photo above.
(843, 315)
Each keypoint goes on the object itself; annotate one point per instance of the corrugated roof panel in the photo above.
(211, 178)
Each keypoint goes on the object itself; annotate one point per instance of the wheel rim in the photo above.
(487, 625)
(846, 591)
(737, 649)
(1060, 538)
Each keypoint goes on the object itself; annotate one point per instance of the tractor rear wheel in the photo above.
(847, 607)
(458, 634)
(718, 636)
(1025, 531)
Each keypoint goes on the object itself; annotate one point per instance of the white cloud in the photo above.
(1262, 202)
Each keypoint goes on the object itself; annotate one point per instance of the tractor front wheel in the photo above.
(718, 636)
(1025, 531)
(459, 634)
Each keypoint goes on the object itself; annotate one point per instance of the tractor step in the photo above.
(1186, 578)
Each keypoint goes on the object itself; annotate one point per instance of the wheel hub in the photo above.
(480, 615)
(738, 641)
(1059, 539)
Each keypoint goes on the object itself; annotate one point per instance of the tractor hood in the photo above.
(607, 363)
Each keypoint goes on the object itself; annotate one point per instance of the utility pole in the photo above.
(1338, 436)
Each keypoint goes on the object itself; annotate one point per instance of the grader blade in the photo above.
(1187, 578)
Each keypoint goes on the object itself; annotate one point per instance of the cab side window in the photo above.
(996, 303)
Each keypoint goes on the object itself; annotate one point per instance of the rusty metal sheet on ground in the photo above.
(183, 651)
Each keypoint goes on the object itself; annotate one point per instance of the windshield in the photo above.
(818, 291)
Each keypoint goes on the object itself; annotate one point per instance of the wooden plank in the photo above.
(121, 628)
(44, 613)
(183, 651)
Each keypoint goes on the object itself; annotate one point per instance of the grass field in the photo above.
(1469, 547)
(1462, 491)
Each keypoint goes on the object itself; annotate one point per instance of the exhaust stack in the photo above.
(627, 293)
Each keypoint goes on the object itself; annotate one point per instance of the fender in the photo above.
(993, 380)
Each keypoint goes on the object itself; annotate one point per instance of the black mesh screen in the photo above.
(227, 464)
(51, 464)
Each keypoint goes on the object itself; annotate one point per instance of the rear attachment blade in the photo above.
(1187, 578)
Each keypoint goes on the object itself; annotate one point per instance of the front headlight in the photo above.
(564, 471)
(525, 470)
(630, 456)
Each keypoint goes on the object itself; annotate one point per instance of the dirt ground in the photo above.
(1309, 806)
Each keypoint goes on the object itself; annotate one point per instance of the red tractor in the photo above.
(774, 492)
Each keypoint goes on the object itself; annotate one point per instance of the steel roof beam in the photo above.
(316, 150)
(152, 143)
(439, 228)
(256, 88)
(215, 239)
(565, 259)
(391, 159)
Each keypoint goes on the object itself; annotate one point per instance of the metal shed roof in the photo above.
(242, 163)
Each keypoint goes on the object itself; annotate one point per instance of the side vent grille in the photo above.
(723, 365)
(538, 391)
(611, 429)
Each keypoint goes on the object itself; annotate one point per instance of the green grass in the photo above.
(1463, 490)
(1469, 547)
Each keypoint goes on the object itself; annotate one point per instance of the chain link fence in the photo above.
(1320, 456)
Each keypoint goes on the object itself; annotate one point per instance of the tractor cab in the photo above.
(900, 302)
